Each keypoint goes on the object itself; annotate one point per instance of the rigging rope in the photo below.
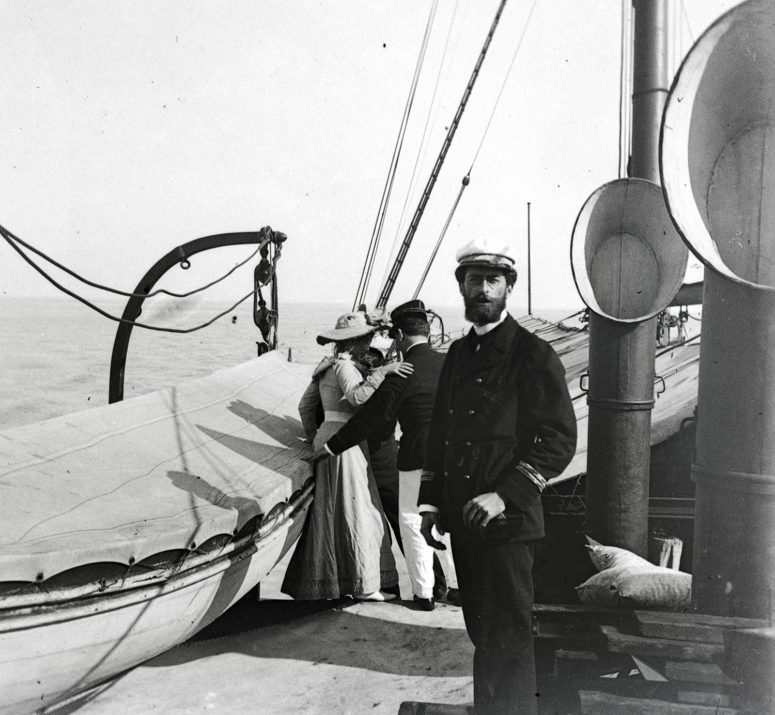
(11, 237)
(467, 178)
(104, 313)
(371, 252)
(422, 151)
(463, 184)
(503, 85)
(688, 22)
(390, 283)
(625, 91)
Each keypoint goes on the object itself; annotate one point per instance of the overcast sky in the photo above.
(128, 128)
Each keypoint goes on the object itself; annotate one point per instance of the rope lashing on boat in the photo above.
(185, 264)
(559, 323)
(376, 234)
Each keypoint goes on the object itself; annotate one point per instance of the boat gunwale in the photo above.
(19, 612)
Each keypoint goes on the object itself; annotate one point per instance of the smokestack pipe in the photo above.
(621, 355)
(717, 164)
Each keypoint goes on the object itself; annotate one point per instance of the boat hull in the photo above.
(51, 652)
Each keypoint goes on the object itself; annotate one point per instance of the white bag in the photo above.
(626, 580)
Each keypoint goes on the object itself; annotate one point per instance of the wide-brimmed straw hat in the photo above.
(486, 253)
(348, 326)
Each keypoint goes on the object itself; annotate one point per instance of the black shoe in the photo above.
(439, 593)
(424, 604)
(453, 597)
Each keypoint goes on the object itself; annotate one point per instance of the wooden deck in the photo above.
(652, 662)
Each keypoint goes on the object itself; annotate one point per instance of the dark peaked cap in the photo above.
(414, 308)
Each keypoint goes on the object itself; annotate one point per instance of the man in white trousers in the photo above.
(410, 401)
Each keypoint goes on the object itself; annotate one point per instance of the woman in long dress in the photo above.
(345, 546)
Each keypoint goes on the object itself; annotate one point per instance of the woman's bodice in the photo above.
(341, 388)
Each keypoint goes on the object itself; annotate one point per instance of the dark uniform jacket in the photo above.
(410, 400)
(504, 404)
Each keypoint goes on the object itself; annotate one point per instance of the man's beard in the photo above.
(480, 311)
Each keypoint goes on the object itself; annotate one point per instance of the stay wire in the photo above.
(114, 318)
(503, 85)
(371, 252)
(688, 22)
(397, 154)
(9, 237)
(421, 282)
(624, 93)
(467, 178)
(423, 149)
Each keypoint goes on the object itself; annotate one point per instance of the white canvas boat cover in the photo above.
(676, 372)
(164, 471)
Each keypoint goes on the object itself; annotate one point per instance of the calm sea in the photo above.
(55, 353)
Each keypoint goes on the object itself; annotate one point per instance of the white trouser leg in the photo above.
(419, 556)
(445, 557)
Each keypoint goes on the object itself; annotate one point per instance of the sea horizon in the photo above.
(57, 351)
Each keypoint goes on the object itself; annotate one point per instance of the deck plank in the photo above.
(596, 702)
(660, 647)
(690, 626)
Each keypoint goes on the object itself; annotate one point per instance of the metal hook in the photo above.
(185, 264)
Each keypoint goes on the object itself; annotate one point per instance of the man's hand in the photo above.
(318, 456)
(429, 520)
(482, 509)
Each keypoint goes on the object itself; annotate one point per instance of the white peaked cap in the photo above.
(486, 252)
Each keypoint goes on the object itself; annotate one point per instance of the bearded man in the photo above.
(502, 426)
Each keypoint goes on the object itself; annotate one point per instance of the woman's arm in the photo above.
(355, 387)
(308, 406)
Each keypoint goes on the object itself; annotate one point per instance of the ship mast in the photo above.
(390, 282)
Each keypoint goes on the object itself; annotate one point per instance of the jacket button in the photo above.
(468, 444)
(451, 411)
(466, 476)
(446, 443)
(471, 412)
(478, 380)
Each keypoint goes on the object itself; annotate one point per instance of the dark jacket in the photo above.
(409, 400)
(505, 403)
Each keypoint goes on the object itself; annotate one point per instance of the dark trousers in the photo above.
(496, 589)
(384, 465)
